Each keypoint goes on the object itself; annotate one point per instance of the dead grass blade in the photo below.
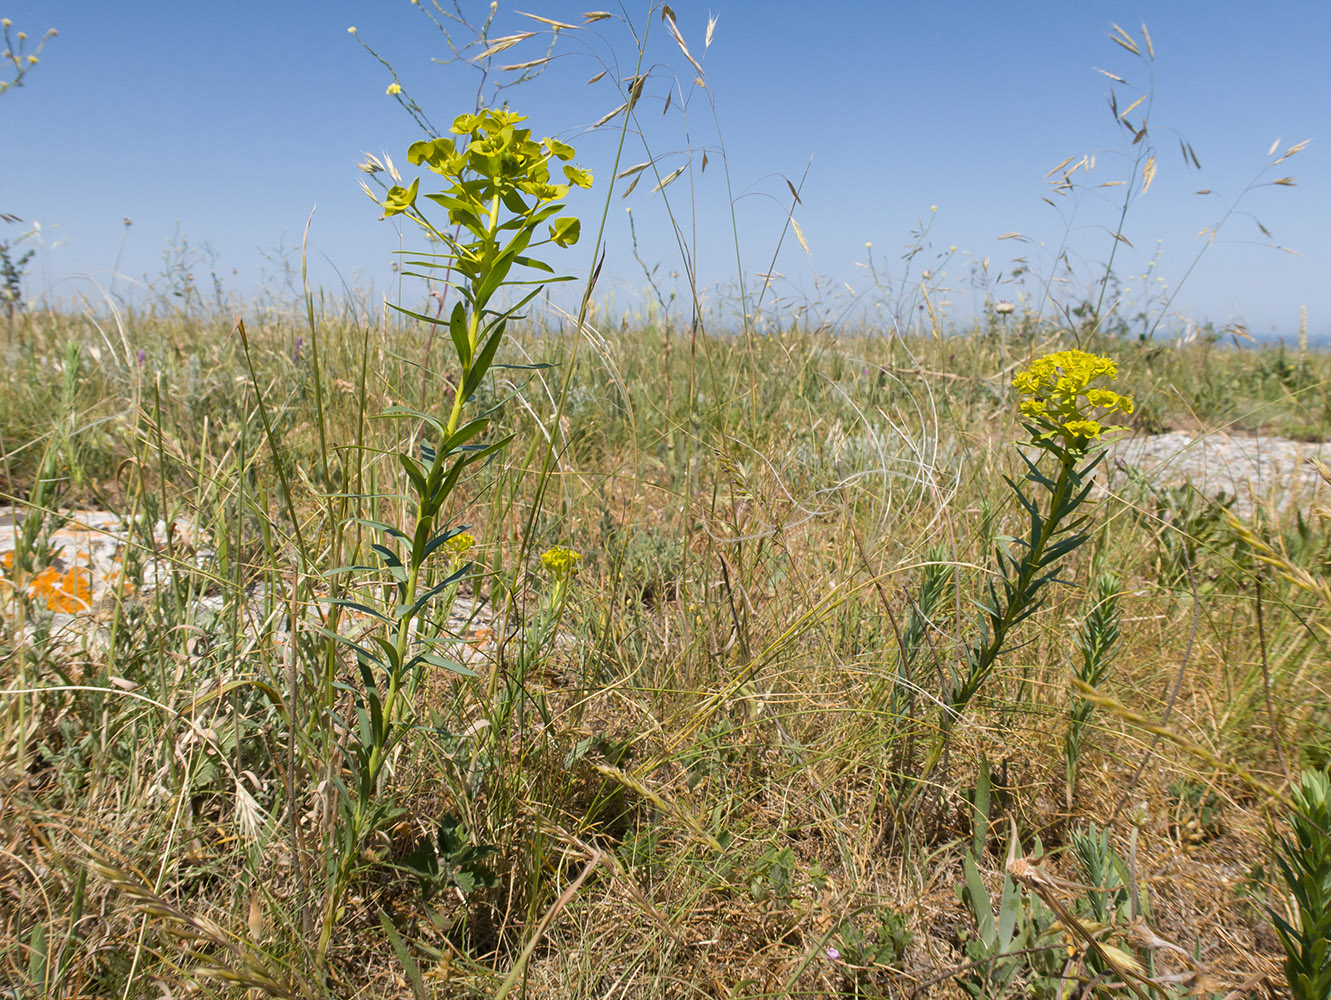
(1116, 707)
(248, 967)
(667, 806)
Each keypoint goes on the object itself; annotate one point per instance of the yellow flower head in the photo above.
(1089, 429)
(560, 561)
(1063, 393)
(459, 544)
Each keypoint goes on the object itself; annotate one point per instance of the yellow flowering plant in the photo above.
(511, 694)
(1063, 397)
(1065, 405)
(501, 204)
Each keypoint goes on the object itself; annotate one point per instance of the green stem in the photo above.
(987, 653)
(378, 753)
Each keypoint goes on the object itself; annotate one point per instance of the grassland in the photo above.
(708, 783)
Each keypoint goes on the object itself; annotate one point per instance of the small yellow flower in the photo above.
(394, 89)
(560, 561)
(1089, 429)
(459, 544)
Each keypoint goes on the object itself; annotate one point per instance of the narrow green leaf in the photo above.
(387, 529)
(452, 666)
(404, 956)
(414, 473)
(464, 433)
(482, 362)
(457, 328)
(364, 609)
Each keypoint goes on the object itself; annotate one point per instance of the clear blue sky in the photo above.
(233, 120)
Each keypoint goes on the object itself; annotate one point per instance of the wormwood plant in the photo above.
(498, 195)
(1062, 394)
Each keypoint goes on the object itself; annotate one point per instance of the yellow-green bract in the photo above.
(1064, 395)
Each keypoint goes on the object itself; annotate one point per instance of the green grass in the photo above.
(711, 781)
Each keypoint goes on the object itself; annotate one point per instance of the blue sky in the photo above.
(226, 124)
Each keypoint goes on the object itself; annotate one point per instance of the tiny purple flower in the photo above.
(295, 353)
(142, 357)
(833, 955)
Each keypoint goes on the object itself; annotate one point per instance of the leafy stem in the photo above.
(498, 195)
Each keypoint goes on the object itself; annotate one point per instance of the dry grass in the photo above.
(712, 782)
